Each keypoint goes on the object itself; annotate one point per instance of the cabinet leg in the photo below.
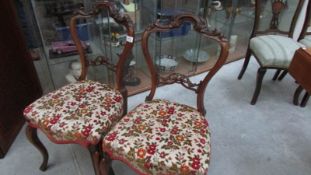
(305, 100)
(297, 94)
(33, 138)
(260, 74)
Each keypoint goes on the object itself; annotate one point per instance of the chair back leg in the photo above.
(245, 64)
(276, 75)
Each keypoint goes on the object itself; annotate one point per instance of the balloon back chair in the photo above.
(271, 40)
(81, 112)
(305, 36)
(305, 39)
(160, 136)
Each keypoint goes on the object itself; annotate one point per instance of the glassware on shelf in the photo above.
(166, 63)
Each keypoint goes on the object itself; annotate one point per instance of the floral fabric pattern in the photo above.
(161, 137)
(76, 113)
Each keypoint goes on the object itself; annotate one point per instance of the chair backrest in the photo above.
(306, 29)
(199, 26)
(121, 19)
(276, 16)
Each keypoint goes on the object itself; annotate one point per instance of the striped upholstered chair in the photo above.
(271, 40)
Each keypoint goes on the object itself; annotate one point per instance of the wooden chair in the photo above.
(274, 47)
(305, 39)
(81, 112)
(160, 136)
(305, 35)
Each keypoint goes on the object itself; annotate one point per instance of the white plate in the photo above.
(192, 54)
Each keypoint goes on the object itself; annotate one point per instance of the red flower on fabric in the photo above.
(162, 129)
(90, 89)
(122, 141)
(202, 141)
(126, 119)
(152, 149)
(162, 155)
(203, 131)
(102, 113)
(55, 119)
(195, 165)
(117, 98)
(86, 133)
(147, 165)
(138, 120)
(196, 160)
(111, 137)
(175, 130)
(164, 122)
(27, 109)
(171, 110)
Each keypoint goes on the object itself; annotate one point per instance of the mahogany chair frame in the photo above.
(200, 26)
(277, 7)
(304, 32)
(124, 20)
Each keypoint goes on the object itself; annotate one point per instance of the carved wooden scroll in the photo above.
(120, 19)
(199, 26)
(278, 6)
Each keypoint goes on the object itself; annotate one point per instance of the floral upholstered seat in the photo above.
(76, 113)
(161, 137)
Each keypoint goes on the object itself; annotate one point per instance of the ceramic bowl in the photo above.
(192, 54)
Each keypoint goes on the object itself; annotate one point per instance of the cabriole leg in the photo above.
(246, 61)
(33, 138)
(260, 74)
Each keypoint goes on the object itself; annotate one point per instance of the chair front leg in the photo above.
(95, 156)
(260, 74)
(245, 64)
(106, 165)
(33, 138)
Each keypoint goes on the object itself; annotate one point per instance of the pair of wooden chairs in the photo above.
(157, 137)
(271, 41)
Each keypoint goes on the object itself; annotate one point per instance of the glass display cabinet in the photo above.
(178, 50)
(53, 18)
